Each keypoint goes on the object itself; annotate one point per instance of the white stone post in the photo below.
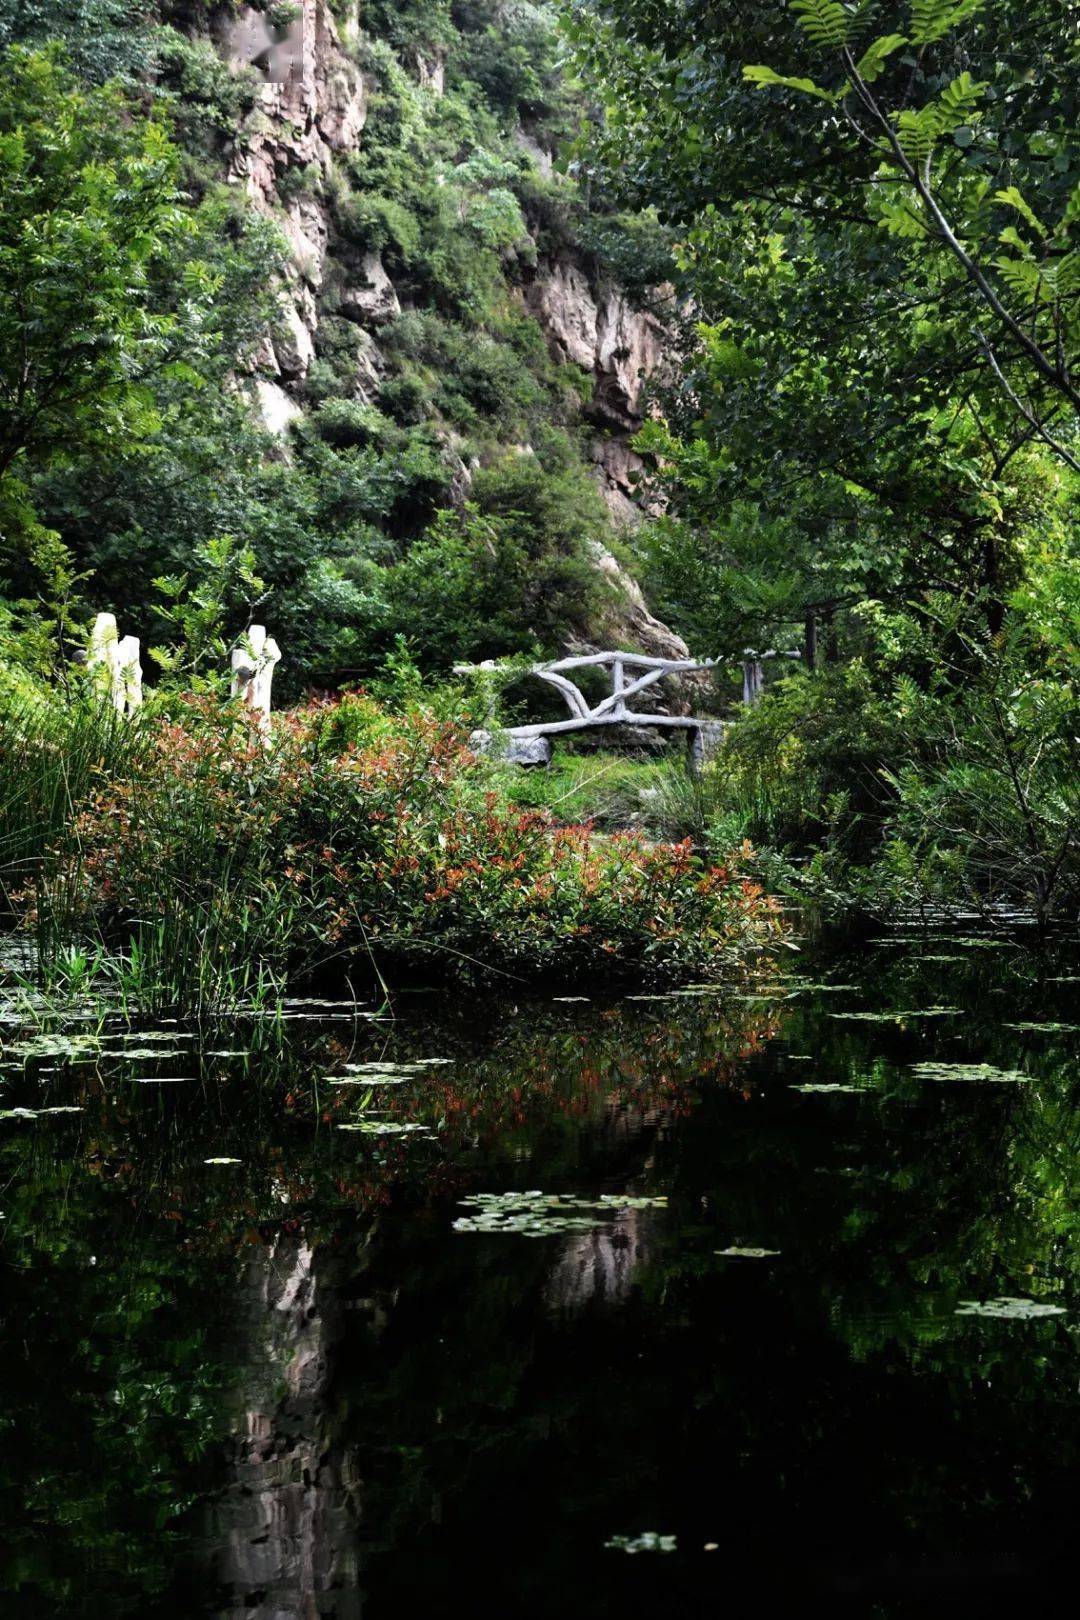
(253, 663)
(118, 663)
(753, 678)
(129, 674)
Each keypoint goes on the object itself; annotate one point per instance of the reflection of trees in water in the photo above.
(282, 1535)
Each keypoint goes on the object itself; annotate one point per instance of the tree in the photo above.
(88, 210)
(845, 370)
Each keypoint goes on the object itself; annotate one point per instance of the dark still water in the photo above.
(480, 1333)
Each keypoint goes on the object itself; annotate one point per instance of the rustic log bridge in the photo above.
(529, 745)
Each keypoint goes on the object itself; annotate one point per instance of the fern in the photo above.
(1013, 198)
(1071, 216)
(872, 62)
(1021, 276)
(824, 22)
(931, 20)
(958, 101)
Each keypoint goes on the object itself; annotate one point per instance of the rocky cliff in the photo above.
(314, 96)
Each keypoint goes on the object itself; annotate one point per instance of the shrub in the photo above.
(221, 864)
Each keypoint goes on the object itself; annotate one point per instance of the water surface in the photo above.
(275, 1341)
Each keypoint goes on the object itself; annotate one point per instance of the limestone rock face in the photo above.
(369, 295)
(275, 407)
(598, 329)
(309, 115)
(622, 348)
(311, 107)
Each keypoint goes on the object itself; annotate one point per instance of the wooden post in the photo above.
(810, 641)
(618, 685)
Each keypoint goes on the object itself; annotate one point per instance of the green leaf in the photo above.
(765, 75)
(931, 20)
(824, 22)
(872, 62)
(1011, 197)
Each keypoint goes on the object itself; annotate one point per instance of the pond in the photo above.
(493, 1309)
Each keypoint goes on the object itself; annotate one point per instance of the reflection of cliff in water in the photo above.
(597, 1268)
(281, 1538)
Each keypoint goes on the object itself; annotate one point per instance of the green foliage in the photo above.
(102, 39)
(219, 864)
(88, 211)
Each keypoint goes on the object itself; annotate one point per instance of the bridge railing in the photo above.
(631, 674)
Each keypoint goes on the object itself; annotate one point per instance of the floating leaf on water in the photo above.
(748, 1254)
(898, 1017)
(648, 1541)
(369, 1080)
(161, 1079)
(129, 1054)
(145, 1035)
(540, 1214)
(65, 1046)
(831, 1086)
(1048, 1028)
(416, 1066)
(799, 988)
(1008, 1309)
(376, 1127)
(970, 1071)
(222, 1160)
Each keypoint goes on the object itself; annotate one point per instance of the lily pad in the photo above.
(143, 1052)
(1009, 1309)
(378, 1127)
(162, 1079)
(970, 1072)
(540, 1214)
(369, 1080)
(830, 1086)
(648, 1541)
(65, 1046)
(898, 1017)
(1031, 1027)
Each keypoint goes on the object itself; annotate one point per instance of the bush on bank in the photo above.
(216, 861)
